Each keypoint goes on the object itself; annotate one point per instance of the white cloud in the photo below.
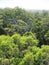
(27, 4)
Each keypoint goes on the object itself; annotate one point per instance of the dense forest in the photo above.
(24, 37)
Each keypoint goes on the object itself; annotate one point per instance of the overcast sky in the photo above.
(27, 4)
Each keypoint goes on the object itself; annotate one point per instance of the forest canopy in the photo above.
(24, 37)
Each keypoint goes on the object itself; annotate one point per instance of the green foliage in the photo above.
(28, 59)
(42, 56)
(16, 38)
(47, 37)
(24, 37)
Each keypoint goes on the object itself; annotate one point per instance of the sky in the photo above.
(26, 4)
